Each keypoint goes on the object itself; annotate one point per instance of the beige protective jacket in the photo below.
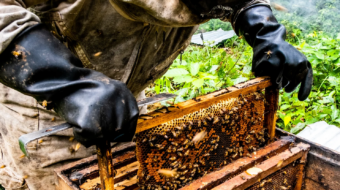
(136, 40)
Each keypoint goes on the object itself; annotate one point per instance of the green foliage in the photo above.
(215, 24)
(323, 52)
(1, 188)
(309, 16)
(206, 69)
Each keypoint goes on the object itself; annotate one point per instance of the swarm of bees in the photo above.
(175, 153)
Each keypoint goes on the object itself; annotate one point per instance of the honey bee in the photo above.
(147, 177)
(285, 181)
(190, 123)
(226, 153)
(240, 149)
(269, 54)
(174, 163)
(151, 144)
(225, 162)
(202, 162)
(208, 118)
(196, 165)
(179, 128)
(234, 156)
(205, 122)
(230, 150)
(213, 142)
(252, 132)
(242, 177)
(174, 143)
(216, 145)
(218, 138)
(186, 141)
(152, 138)
(186, 171)
(179, 154)
(174, 134)
(206, 155)
(231, 112)
(144, 140)
(216, 120)
(166, 136)
(236, 117)
(172, 158)
(249, 155)
(3, 166)
(189, 127)
(221, 112)
(187, 153)
(199, 123)
(232, 123)
(263, 183)
(226, 117)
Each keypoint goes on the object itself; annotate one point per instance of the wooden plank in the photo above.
(105, 165)
(271, 106)
(301, 172)
(92, 171)
(215, 178)
(243, 180)
(62, 180)
(122, 174)
(190, 106)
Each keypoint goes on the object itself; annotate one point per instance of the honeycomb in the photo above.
(232, 129)
(285, 178)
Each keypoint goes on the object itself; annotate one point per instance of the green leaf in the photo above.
(284, 107)
(157, 89)
(320, 55)
(198, 83)
(287, 119)
(240, 79)
(335, 112)
(194, 68)
(298, 128)
(181, 79)
(176, 72)
(214, 68)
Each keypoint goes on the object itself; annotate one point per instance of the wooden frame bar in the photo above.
(271, 106)
(190, 106)
(243, 180)
(215, 178)
(89, 167)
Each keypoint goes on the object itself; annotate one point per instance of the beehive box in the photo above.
(212, 131)
(238, 122)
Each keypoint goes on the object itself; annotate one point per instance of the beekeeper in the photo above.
(85, 61)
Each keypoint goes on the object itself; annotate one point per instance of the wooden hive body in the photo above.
(219, 171)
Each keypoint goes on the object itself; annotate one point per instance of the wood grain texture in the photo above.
(243, 180)
(271, 106)
(301, 172)
(218, 177)
(105, 165)
(190, 106)
(122, 176)
(62, 173)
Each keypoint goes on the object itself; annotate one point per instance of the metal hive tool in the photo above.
(234, 128)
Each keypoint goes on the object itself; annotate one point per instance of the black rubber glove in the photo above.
(273, 56)
(39, 65)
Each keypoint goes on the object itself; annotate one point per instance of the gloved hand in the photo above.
(273, 56)
(39, 65)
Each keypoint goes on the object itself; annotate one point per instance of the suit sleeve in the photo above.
(168, 13)
(14, 18)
